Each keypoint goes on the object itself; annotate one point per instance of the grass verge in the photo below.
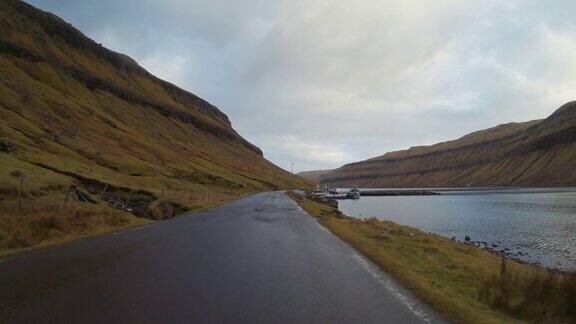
(463, 282)
(47, 221)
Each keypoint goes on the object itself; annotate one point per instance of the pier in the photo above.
(389, 192)
(355, 193)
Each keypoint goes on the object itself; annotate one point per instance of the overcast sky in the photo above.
(324, 83)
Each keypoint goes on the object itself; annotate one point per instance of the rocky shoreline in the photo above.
(515, 254)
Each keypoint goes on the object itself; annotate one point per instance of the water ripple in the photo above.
(534, 225)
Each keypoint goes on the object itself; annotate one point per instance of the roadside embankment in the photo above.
(40, 207)
(464, 282)
(48, 222)
(49, 218)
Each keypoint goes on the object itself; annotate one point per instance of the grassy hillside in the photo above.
(313, 175)
(536, 153)
(73, 113)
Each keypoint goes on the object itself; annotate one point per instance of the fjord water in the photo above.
(533, 225)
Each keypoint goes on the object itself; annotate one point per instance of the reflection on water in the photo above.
(535, 225)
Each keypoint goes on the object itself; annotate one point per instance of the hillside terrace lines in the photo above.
(506, 155)
(94, 83)
(56, 27)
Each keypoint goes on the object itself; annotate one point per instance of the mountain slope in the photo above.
(536, 153)
(314, 175)
(75, 113)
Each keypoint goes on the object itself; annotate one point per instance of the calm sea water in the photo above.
(534, 225)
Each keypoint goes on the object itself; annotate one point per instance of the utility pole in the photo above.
(292, 167)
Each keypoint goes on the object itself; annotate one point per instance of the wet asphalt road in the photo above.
(260, 259)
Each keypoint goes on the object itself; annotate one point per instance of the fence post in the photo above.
(128, 199)
(68, 195)
(20, 195)
(103, 191)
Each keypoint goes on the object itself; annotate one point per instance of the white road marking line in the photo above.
(137, 228)
(323, 228)
(388, 285)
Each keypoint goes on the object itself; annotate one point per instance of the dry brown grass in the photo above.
(48, 221)
(541, 296)
(45, 218)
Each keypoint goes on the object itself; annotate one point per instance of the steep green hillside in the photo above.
(537, 153)
(75, 113)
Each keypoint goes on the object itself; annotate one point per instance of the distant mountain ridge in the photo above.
(535, 153)
(313, 175)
